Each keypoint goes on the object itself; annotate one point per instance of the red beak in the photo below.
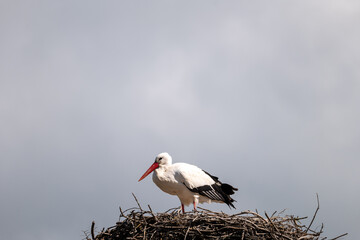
(152, 168)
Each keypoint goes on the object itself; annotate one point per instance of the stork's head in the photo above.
(162, 159)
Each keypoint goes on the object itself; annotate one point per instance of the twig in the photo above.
(282, 211)
(137, 202)
(142, 211)
(342, 235)
(187, 231)
(152, 213)
(317, 209)
(122, 214)
(207, 210)
(257, 214)
(273, 213)
(144, 232)
(271, 222)
(243, 235)
(86, 235)
(92, 230)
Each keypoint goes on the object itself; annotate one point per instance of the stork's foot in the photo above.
(178, 212)
(181, 210)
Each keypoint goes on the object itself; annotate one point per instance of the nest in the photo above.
(136, 223)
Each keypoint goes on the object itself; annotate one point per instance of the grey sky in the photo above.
(263, 94)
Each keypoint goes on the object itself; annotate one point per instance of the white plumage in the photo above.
(190, 183)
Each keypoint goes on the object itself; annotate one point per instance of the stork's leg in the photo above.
(182, 208)
(195, 202)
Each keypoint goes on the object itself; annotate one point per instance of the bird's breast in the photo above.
(166, 181)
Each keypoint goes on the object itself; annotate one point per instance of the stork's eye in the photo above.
(160, 158)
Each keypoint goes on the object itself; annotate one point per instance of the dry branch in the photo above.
(317, 209)
(92, 230)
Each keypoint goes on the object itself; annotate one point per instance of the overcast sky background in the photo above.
(263, 94)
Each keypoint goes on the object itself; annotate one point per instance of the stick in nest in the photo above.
(317, 209)
(92, 230)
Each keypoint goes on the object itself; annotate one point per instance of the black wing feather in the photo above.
(218, 191)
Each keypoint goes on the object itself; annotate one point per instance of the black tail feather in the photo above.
(228, 189)
(225, 189)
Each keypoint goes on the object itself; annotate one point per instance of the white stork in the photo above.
(190, 183)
